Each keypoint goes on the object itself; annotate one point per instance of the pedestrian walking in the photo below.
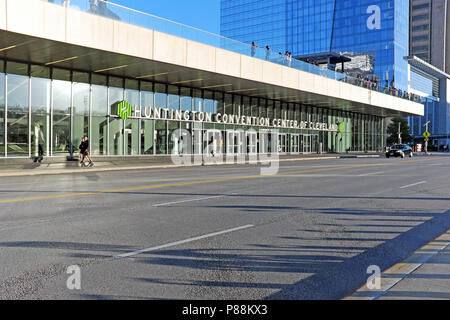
(94, 6)
(84, 152)
(254, 46)
(40, 153)
(220, 145)
(280, 58)
(267, 53)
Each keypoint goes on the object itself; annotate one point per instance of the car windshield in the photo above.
(397, 147)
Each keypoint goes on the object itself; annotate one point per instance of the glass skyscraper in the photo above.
(373, 33)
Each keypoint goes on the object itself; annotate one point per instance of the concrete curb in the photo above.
(23, 173)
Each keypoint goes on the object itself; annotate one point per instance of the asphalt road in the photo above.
(218, 232)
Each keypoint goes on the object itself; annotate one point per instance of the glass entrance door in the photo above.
(235, 142)
(252, 142)
(212, 142)
(295, 139)
(315, 146)
(265, 141)
(229, 142)
(307, 142)
(197, 140)
(282, 143)
(131, 137)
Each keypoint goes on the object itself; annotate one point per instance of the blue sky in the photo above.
(203, 14)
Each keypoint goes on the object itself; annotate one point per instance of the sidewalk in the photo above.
(423, 275)
(26, 167)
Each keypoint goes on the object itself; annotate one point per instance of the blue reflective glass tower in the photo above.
(374, 33)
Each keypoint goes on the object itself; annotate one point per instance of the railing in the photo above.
(149, 21)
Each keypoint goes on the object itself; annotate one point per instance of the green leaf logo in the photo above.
(124, 110)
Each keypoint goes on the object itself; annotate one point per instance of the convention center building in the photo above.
(130, 80)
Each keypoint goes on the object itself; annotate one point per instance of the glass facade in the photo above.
(2, 108)
(374, 33)
(438, 119)
(436, 110)
(48, 110)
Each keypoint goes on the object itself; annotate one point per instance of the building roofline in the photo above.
(426, 67)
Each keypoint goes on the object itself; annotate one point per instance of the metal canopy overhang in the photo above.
(324, 57)
(24, 48)
(426, 67)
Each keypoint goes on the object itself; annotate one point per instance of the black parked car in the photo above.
(399, 150)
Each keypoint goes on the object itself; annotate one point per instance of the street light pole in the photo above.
(426, 139)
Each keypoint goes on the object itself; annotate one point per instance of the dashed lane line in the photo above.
(185, 183)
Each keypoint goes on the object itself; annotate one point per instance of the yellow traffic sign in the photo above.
(426, 134)
(426, 139)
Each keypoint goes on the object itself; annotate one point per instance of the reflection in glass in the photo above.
(115, 136)
(237, 102)
(80, 113)
(147, 126)
(61, 117)
(173, 142)
(2, 114)
(262, 108)
(228, 103)
(219, 103)
(17, 115)
(40, 117)
(277, 110)
(99, 121)
(147, 90)
(160, 96)
(185, 139)
(161, 137)
(198, 100)
(147, 136)
(270, 113)
(246, 108)
(131, 131)
(255, 107)
(115, 124)
(174, 98)
(186, 99)
(208, 102)
(17, 68)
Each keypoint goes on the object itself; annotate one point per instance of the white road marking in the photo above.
(301, 166)
(412, 185)
(316, 175)
(190, 200)
(370, 174)
(172, 244)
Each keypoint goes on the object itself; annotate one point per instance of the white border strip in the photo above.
(399, 271)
